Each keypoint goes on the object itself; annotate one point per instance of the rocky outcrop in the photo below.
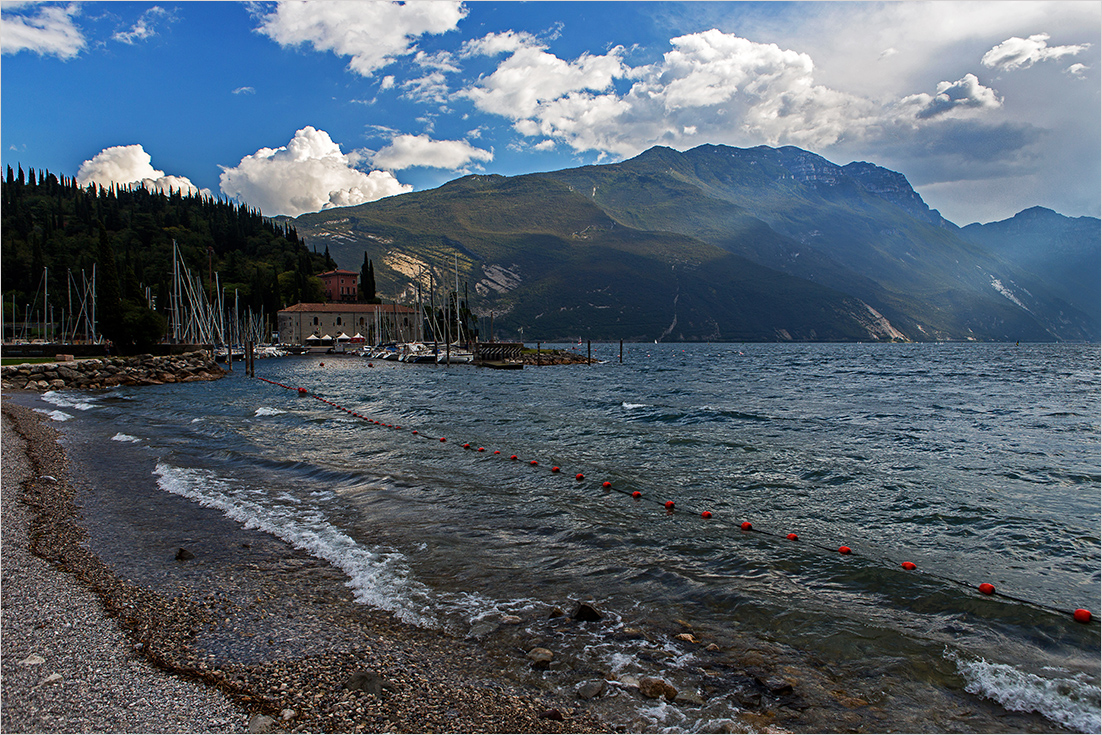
(94, 374)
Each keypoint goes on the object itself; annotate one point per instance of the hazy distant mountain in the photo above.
(1063, 252)
(715, 243)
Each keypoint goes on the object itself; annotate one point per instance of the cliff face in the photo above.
(894, 187)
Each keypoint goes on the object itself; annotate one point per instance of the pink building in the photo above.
(340, 285)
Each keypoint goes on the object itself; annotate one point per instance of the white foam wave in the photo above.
(632, 406)
(380, 579)
(266, 411)
(56, 415)
(121, 437)
(1068, 701)
(69, 400)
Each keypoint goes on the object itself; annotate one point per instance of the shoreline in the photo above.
(378, 675)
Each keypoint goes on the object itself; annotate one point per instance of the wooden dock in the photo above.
(499, 355)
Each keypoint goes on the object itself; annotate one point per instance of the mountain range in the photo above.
(725, 244)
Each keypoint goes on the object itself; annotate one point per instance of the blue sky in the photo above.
(987, 107)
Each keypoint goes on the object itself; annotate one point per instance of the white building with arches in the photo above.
(374, 323)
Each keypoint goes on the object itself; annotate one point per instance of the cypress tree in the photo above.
(108, 292)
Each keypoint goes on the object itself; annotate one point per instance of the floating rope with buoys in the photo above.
(1080, 615)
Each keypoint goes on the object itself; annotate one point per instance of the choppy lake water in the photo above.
(978, 463)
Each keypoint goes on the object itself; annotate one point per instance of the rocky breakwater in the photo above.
(98, 373)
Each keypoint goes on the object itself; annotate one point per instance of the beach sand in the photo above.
(84, 650)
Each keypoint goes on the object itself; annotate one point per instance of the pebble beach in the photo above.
(86, 651)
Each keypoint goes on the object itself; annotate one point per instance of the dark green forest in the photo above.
(53, 231)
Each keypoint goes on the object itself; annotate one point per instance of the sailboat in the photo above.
(453, 353)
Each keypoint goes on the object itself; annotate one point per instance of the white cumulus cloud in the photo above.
(408, 151)
(711, 87)
(50, 31)
(965, 93)
(371, 32)
(307, 175)
(128, 165)
(1022, 53)
(1077, 70)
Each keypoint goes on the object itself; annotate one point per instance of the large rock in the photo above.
(541, 655)
(368, 682)
(261, 724)
(652, 687)
(590, 689)
(586, 614)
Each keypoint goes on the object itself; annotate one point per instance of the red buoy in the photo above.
(497, 451)
(579, 477)
(844, 549)
(415, 431)
(909, 566)
(606, 484)
(482, 449)
(792, 537)
(443, 439)
(669, 505)
(533, 463)
(371, 364)
(987, 589)
(1082, 616)
(466, 446)
(706, 514)
(747, 525)
(637, 495)
(554, 469)
(513, 456)
(302, 391)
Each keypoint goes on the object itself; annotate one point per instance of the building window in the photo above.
(338, 321)
(315, 321)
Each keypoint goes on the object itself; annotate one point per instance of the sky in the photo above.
(987, 108)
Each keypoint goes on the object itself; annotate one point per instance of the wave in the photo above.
(56, 415)
(121, 437)
(265, 411)
(1068, 701)
(376, 578)
(69, 400)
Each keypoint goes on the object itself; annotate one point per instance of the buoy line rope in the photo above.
(1079, 615)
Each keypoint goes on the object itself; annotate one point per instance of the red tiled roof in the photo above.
(337, 307)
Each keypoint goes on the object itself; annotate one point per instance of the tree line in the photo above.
(52, 229)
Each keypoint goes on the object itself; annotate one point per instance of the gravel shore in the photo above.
(66, 664)
(86, 651)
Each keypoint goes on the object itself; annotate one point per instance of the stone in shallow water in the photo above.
(540, 655)
(590, 689)
(652, 687)
(587, 614)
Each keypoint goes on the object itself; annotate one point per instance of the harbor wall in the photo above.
(98, 373)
